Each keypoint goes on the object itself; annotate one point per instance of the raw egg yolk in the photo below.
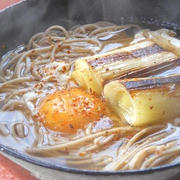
(68, 110)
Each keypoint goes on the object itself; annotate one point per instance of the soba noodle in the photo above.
(29, 73)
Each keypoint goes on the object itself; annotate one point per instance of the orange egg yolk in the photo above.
(68, 110)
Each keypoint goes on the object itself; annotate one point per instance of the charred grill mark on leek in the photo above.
(150, 83)
(142, 52)
(143, 58)
(156, 70)
(165, 39)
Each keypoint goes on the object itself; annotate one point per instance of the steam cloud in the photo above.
(19, 23)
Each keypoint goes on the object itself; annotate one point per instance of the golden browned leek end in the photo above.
(119, 100)
(86, 77)
(165, 39)
(140, 107)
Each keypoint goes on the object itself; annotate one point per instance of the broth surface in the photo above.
(31, 72)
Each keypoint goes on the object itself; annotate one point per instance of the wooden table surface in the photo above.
(8, 169)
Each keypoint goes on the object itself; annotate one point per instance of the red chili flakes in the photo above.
(82, 154)
(64, 69)
(36, 116)
(129, 136)
(39, 85)
(59, 45)
(54, 67)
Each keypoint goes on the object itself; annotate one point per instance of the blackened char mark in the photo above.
(151, 83)
(124, 56)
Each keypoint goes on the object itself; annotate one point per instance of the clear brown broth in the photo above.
(18, 132)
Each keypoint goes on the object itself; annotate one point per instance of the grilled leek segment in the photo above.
(92, 72)
(87, 78)
(165, 39)
(144, 101)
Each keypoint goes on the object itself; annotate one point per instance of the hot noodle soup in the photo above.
(97, 96)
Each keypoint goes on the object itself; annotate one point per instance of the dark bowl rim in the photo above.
(34, 161)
